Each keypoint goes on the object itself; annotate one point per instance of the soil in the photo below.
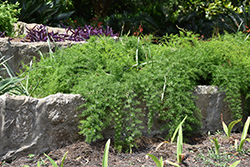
(199, 152)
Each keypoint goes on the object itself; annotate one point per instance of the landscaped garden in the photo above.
(153, 58)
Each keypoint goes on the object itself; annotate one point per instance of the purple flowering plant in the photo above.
(40, 33)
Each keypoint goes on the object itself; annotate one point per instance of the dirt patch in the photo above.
(199, 152)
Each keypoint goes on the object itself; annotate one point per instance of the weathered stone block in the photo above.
(211, 103)
(30, 125)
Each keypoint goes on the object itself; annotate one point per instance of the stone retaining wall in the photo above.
(33, 126)
(25, 51)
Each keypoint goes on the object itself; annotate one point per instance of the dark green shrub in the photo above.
(42, 12)
(116, 77)
(8, 16)
(233, 21)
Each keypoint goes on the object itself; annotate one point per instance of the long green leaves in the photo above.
(106, 154)
(54, 163)
(10, 85)
(159, 163)
(176, 130)
(244, 134)
(228, 129)
(179, 155)
(179, 145)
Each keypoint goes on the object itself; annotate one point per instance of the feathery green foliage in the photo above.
(132, 78)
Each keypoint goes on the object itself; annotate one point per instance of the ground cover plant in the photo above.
(115, 77)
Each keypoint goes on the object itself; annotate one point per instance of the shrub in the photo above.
(8, 13)
(117, 77)
(42, 12)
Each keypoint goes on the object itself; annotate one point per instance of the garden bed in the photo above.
(199, 152)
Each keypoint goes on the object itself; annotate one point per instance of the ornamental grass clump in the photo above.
(131, 79)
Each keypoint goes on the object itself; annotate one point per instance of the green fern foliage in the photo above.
(130, 79)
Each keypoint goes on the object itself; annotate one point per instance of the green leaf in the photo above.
(224, 127)
(231, 125)
(105, 156)
(63, 159)
(172, 163)
(38, 164)
(235, 164)
(217, 146)
(244, 133)
(179, 145)
(51, 161)
(157, 162)
(176, 130)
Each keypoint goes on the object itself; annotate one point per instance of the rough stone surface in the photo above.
(210, 100)
(20, 28)
(25, 51)
(34, 126)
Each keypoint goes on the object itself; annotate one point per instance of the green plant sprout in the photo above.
(54, 163)
(106, 153)
(235, 164)
(179, 144)
(228, 129)
(217, 146)
(244, 135)
(159, 163)
(176, 130)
